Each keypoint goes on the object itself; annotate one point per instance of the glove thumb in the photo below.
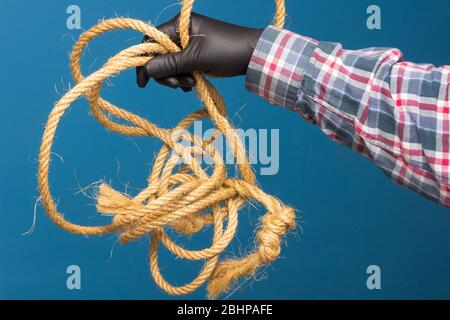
(168, 64)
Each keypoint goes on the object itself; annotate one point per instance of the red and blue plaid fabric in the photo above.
(395, 113)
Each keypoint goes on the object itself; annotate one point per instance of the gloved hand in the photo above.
(216, 48)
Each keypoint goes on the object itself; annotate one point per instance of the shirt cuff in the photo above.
(277, 65)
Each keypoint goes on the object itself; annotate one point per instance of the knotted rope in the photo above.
(185, 200)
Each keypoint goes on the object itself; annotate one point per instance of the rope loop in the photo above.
(185, 199)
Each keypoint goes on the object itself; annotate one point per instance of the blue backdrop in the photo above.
(351, 215)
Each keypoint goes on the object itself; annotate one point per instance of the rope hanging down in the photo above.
(185, 200)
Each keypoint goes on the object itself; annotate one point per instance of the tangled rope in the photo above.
(185, 200)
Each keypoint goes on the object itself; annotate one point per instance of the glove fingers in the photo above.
(170, 30)
(186, 80)
(141, 77)
(183, 81)
(171, 82)
(169, 64)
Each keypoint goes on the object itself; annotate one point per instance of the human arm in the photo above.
(395, 113)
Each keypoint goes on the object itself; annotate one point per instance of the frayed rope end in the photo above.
(110, 201)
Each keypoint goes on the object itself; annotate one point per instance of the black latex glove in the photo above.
(216, 48)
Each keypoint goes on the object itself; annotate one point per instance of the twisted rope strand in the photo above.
(185, 200)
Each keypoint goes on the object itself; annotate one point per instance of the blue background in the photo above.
(351, 215)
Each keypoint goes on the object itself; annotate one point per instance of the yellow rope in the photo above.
(185, 200)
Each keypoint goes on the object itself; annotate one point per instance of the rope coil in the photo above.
(185, 200)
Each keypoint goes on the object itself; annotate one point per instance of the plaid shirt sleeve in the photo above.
(394, 113)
